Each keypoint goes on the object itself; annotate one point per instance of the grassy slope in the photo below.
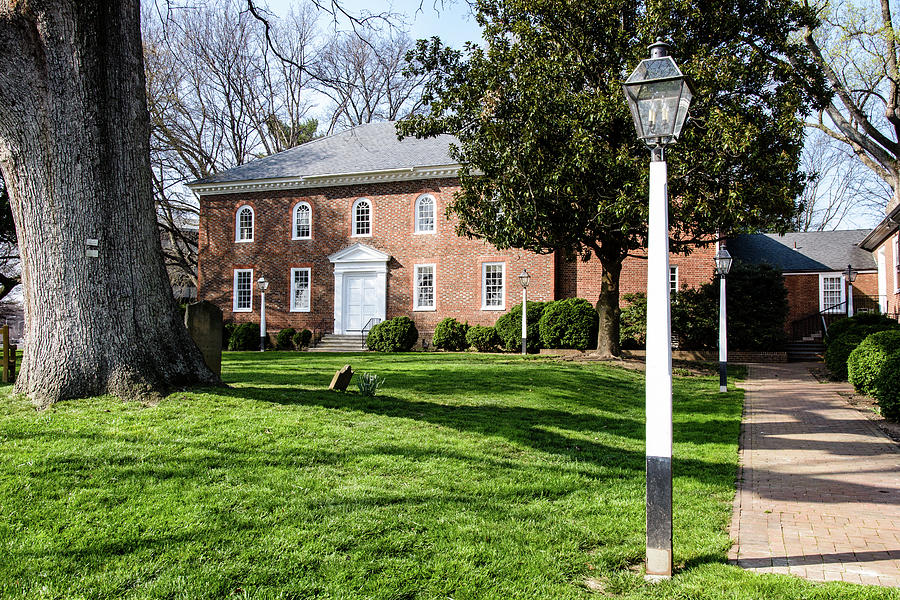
(467, 477)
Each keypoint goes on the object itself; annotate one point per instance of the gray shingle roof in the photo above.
(808, 251)
(362, 149)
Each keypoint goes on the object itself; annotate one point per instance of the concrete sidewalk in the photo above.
(819, 484)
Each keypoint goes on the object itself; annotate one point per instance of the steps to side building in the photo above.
(339, 343)
(805, 351)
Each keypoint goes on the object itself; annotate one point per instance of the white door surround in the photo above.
(360, 287)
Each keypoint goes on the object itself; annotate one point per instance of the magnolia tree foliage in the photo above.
(550, 158)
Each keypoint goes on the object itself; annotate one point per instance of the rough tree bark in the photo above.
(74, 150)
(608, 303)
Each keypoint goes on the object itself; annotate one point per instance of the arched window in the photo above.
(244, 225)
(302, 221)
(362, 217)
(425, 222)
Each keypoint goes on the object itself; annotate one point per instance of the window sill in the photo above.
(424, 232)
(242, 310)
(424, 309)
(300, 310)
(242, 241)
(493, 308)
(361, 235)
(302, 238)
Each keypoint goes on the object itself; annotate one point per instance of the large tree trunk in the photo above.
(74, 150)
(608, 305)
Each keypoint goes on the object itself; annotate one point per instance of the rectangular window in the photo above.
(832, 290)
(493, 293)
(423, 295)
(243, 290)
(673, 279)
(897, 264)
(300, 290)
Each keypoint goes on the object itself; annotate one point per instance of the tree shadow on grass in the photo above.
(534, 428)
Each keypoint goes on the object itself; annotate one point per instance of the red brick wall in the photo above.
(273, 253)
(803, 297)
(582, 279)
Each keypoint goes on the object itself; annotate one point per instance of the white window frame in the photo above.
(295, 235)
(353, 222)
(294, 307)
(484, 268)
(673, 269)
(237, 224)
(843, 290)
(896, 249)
(419, 201)
(234, 304)
(416, 269)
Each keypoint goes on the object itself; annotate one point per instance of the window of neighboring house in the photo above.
(831, 293)
(493, 293)
(673, 279)
(423, 298)
(244, 225)
(425, 214)
(302, 221)
(243, 290)
(897, 264)
(300, 290)
(362, 217)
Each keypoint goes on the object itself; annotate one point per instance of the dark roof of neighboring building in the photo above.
(814, 251)
(362, 149)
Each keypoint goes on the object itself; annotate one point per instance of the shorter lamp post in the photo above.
(263, 286)
(851, 277)
(723, 262)
(524, 279)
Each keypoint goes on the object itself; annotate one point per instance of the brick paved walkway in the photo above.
(819, 484)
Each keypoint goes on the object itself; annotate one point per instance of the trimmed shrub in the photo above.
(840, 347)
(450, 335)
(285, 339)
(302, 338)
(633, 322)
(867, 359)
(887, 387)
(570, 323)
(394, 335)
(244, 337)
(874, 322)
(509, 327)
(483, 339)
(227, 331)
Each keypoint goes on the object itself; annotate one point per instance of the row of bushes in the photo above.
(570, 323)
(865, 349)
(756, 304)
(246, 337)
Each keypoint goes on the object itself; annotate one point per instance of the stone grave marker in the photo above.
(204, 322)
(341, 379)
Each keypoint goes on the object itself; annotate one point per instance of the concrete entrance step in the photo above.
(340, 343)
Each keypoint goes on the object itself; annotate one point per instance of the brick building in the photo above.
(815, 272)
(884, 244)
(353, 227)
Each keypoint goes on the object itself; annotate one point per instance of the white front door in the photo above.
(360, 300)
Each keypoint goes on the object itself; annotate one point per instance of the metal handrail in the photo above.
(364, 333)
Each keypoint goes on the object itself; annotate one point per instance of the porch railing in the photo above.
(364, 333)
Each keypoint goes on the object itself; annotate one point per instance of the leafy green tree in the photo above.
(550, 158)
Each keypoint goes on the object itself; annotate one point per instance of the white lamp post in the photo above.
(524, 279)
(723, 262)
(851, 277)
(658, 96)
(263, 286)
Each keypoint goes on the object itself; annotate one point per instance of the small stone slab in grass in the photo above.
(341, 379)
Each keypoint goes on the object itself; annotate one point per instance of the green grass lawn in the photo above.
(467, 477)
